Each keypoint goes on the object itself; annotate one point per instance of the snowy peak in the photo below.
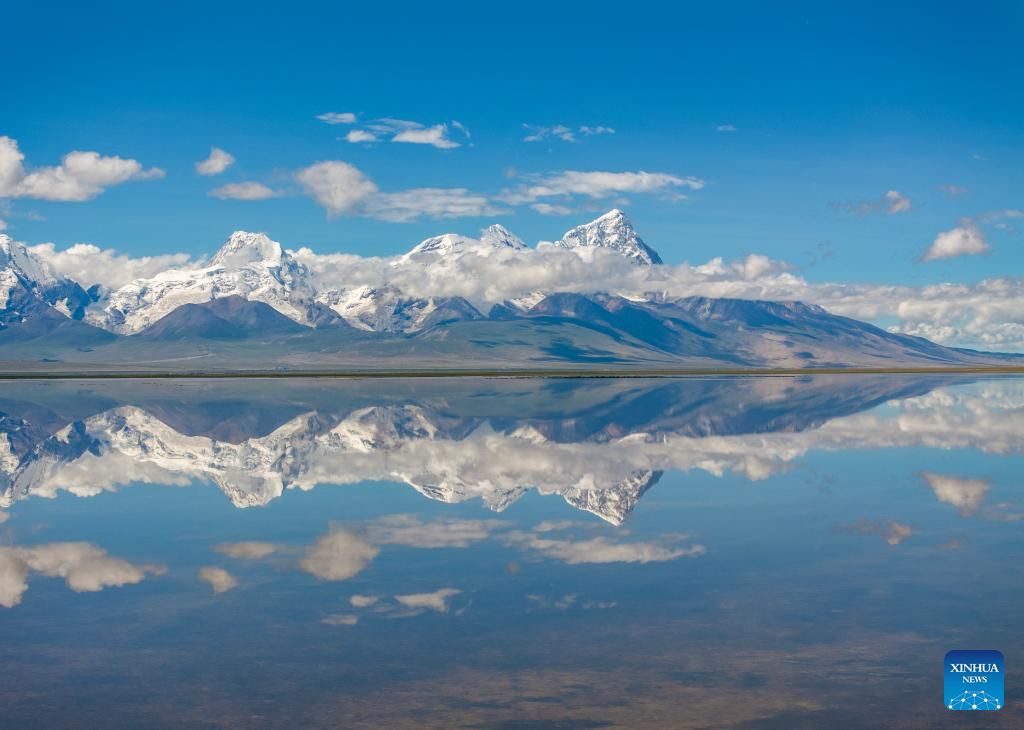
(499, 237)
(27, 283)
(612, 231)
(244, 248)
(15, 257)
(445, 244)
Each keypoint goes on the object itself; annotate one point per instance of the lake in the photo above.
(751, 552)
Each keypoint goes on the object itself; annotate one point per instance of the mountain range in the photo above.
(599, 444)
(255, 306)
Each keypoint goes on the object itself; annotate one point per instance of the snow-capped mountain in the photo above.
(612, 231)
(452, 244)
(249, 265)
(386, 309)
(28, 285)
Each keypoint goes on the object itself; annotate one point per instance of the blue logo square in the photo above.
(974, 680)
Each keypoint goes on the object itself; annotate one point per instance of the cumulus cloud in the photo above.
(337, 186)
(891, 203)
(435, 601)
(89, 264)
(216, 163)
(337, 117)
(85, 568)
(435, 136)
(967, 239)
(244, 191)
(218, 578)
(80, 176)
(358, 601)
(596, 184)
(360, 136)
(247, 549)
(964, 494)
(410, 531)
(599, 549)
(343, 189)
(338, 555)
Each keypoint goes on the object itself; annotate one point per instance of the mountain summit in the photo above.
(612, 231)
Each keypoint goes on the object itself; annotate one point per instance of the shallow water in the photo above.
(705, 552)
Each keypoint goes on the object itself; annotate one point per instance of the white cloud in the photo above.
(966, 239)
(218, 578)
(964, 494)
(337, 117)
(247, 549)
(4, 517)
(89, 264)
(404, 131)
(891, 203)
(953, 191)
(80, 176)
(435, 136)
(436, 601)
(560, 131)
(988, 314)
(408, 205)
(85, 568)
(244, 191)
(599, 549)
(549, 209)
(338, 555)
(3, 225)
(216, 163)
(725, 128)
(358, 601)
(337, 186)
(340, 619)
(360, 136)
(343, 189)
(409, 531)
(896, 202)
(597, 184)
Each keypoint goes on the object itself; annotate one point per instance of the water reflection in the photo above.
(599, 446)
(750, 552)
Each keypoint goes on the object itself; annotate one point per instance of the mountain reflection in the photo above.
(599, 444)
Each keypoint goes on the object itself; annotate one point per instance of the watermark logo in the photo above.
(974, 680)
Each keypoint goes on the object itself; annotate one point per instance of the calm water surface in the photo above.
(719, 552)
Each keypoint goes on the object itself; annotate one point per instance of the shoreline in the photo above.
(498, 373)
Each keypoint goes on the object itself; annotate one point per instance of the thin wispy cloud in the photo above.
(245, 191)
(537, 133)
(404, 131)
(337, 117)
(725, 128)
(81, 176)
(596, 184)
(217, 162)
(891, 203)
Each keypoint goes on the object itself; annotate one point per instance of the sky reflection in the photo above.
(729, 552)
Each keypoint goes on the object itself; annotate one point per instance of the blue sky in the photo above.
(832, 107)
